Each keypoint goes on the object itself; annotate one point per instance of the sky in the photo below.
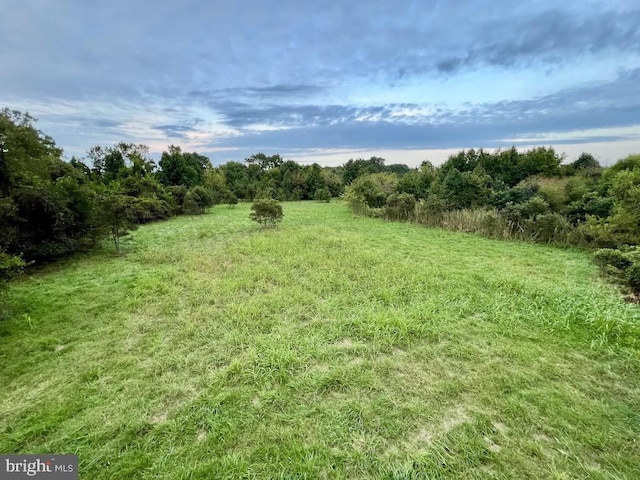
(324, 81)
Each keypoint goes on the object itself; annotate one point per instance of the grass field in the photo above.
(330, 347)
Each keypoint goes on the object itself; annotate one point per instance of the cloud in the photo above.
(549, 37)
(243, 114)
(289, 48)
(607, 105)
(180, 130)
(105, 123)
(301, 74)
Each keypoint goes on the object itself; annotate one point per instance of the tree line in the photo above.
(50, 208)
(527, 195)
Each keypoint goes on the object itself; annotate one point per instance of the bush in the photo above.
(429, 211)
(633, 276)
(267, 212)
(322, 195)
(552, 190)
(230, 199)
(622, 264)
(10, 266)
(492, 224)
(550, 228)
(196, 200)
(146, 209)
(610, 256)
(597, 232)
(400, 206)
(371, 190)
(177, 194)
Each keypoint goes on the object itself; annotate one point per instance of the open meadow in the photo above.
(329, 347)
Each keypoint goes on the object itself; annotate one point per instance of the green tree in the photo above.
(625, 218)
(314, 181)
(371, 191)
(237, 179)
(356, 168)
(214, 181)
(116, 215)
(538, 161)
(27, 155)
(585, 161)
(197, 200)
(111, 163)
(266, 212)
(463, 189)
(332, 181)
(418, 182)
(264, 162)
(178, 168)
(45, 203)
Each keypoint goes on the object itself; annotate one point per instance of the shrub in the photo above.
(371, 190)
(515, 195)
(230, 199)
(177, 194)
(633, 276)
(145, 209)
(597, 232)
(492, 224)
(10, 266)
(610, 256)
(550, 228)
(429, 212)
(552, 190)
(322, 195)
(196, 200)
(533, 207)
(590, 204)
(267, 212)
(400, 206)
(622, 264)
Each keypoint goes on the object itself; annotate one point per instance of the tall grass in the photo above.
(328, 347)
(487, 222)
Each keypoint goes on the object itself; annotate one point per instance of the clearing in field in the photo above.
(330, 347)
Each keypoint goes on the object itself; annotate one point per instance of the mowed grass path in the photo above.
(330, 347)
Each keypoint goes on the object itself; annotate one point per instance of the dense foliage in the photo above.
(510, 194)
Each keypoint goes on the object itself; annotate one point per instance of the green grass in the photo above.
(330, 347)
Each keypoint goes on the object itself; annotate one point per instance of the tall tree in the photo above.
(178, 168)
(264, 162)
(111, 163)
(44, 206)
